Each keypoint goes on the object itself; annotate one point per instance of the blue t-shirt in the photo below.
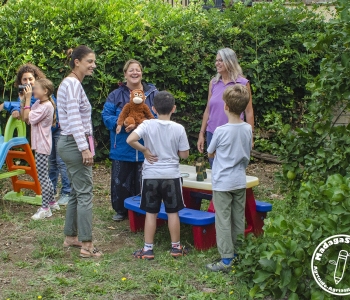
(232, 144)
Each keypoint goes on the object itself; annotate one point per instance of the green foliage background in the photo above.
(177, 47)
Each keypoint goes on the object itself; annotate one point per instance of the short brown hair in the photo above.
(129, 62)
(236, 98)
(28, 68)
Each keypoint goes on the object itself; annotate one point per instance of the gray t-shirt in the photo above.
(232, 143)
(164, 139)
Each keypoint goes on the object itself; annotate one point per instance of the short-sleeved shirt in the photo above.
(40, 119)
(164, 139)
(232, 144)
(217, 116)
(74, 110)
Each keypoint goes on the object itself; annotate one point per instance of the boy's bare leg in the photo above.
(1, 106)
(174, 227)
(150, 227)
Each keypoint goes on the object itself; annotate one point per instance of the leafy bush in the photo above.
(316, 180)
(176, 45)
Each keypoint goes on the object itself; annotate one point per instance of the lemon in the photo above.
(291, 175)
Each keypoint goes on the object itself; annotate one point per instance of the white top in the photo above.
(164, 139)
(74, 111)
(189, 176)
(232, 144)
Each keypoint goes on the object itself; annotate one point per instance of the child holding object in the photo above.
(41, 116)
(165, 141)
(230, 148)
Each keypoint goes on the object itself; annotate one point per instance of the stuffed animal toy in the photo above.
(134, 112)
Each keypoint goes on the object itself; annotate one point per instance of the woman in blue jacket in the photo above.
(27, 74)
(126, 161)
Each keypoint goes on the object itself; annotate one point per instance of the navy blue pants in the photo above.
(125, 183)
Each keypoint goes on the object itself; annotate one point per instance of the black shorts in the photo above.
(156, 190)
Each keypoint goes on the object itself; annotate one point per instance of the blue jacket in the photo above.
(12, 106)
(120, 149)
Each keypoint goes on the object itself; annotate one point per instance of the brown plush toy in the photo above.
(135, 112)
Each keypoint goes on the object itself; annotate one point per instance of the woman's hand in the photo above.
(16, 115)
(151, 158)
(200, 142)
(28, 91)
(88, 159)
(130, 128)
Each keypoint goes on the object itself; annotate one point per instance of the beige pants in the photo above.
(229, 219)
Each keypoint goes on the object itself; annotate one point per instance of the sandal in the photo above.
(66, 245)
(86, 253)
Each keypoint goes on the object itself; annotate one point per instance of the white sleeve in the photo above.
(213, 143)
(141, 129)
(183, 143)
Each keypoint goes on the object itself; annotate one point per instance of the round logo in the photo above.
(330, 265)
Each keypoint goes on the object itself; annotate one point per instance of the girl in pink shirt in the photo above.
(41, 116)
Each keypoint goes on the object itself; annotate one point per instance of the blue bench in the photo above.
(203, 222)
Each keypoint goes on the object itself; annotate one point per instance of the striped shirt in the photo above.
(74, 111)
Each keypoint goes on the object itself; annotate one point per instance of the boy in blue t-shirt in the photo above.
(165, 141)
(231, 145)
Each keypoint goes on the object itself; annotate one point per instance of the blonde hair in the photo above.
(48, 85)
(129, 62)
(230, 61)
(236, 98)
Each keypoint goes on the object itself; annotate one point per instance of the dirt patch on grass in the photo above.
(28, 247)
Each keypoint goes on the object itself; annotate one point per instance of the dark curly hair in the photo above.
(28, 68)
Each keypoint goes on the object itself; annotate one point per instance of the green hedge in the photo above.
(177, 47)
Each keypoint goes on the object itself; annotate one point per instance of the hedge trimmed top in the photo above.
(176, 45)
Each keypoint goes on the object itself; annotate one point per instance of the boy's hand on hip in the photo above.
(150, 157)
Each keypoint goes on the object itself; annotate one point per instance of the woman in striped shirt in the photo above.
(74, 111)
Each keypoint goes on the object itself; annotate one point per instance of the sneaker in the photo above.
(54, 206)
(64, 199)
(219, 266)
(144, 254)
(42, 214)
(176, 252)
(118, 217)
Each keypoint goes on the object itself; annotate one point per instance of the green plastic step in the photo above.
(12, 173)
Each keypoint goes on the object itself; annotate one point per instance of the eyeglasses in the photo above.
(219, 60)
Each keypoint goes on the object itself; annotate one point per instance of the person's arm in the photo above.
(25, 109)
(184, 154)
(133, 141)
(201, 137)
(213, 145)
(249, 112)
(110, 112)
(184, 146)
(211, 155)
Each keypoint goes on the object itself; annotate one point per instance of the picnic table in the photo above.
(203, 222)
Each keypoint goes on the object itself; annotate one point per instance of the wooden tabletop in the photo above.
(191, 182)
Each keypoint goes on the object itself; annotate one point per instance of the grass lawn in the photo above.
(35, 266)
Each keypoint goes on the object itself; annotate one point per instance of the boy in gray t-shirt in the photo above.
(165, 141)
(231, 145)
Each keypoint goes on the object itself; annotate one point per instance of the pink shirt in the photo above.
(217, 116)
(40, 118)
